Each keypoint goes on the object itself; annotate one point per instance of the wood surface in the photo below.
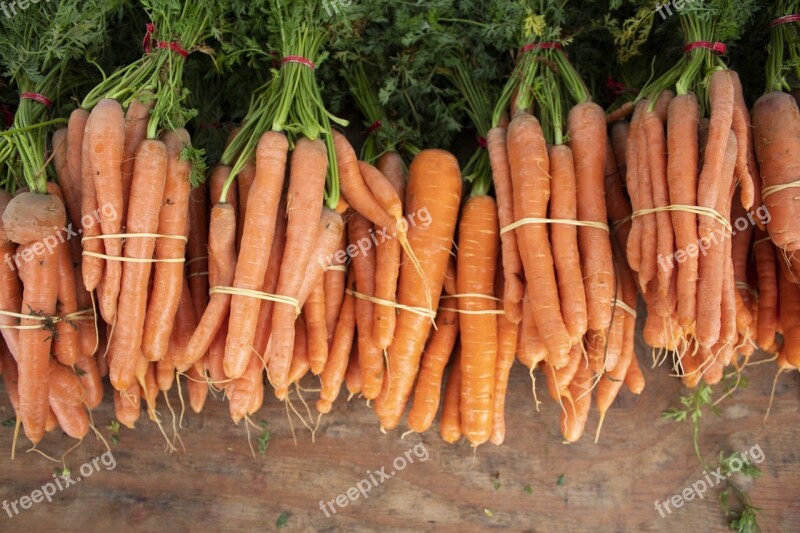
(216, 484)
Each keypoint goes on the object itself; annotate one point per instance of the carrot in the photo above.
(617, 202)
(682, 142)
(66, 341)
(764, 253)
(329, 231)
(270, 284)
(506, 346)
(370, 355)
(450, 421)
(564, 242)
(30, 217)
(136, 120)
(168, 277)
(620, 113)
(300, 363)
(776, 127)
(527, 155)
(587, 129)
(634, 379)
(151, 384)
(196, 248)
(74, 196)
(656, 156)
(10, 287)
(740, 123)
(712, 262)
(661, 107)
(712, 182)
(39, 277)
(306, 181)
(336, 366)
(244, 390)
(91, 265)
(314, 310)
(251, 265)
(648, 268)
(105, 137)
(352, 377)
(184, 326)
(434, 184)
(147, 190)
(352, 184)
(198, 389)
(89, 374)
(427, 389)
(334, 280)
(69, 194)
(575, 413)
(127, 405)
(10, 376)
(789, 317)
(222, 264)
(73, 419)
(633, 249)
(478, 244)
(244, 180)
(619, 141)
(512, 261)
(86, 328)
(533, 350)
(216, 354)
(388, 254)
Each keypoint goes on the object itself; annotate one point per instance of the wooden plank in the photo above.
(610, 486)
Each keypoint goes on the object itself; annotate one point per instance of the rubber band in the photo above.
(340, 268)
(148, 41)
(625, 307)
(772, 189)
(421, 311)
(131, 259)
(542, 46)
(471, 295)
(717, 47)
(250, 293)
(482, 142)
(615, 225)
(744, 286)
(36, 97)
(535, 220)
(696, 209)
(196, 274)
(474, 312)
(196, 259)
(786, 19)
(299, 59)
(763, 239)
(374, 126)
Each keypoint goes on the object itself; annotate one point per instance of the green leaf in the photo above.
(528, 489)
(10, 422)
(282, 520)
(560, 480)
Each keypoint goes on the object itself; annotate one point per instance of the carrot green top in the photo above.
(783, 62)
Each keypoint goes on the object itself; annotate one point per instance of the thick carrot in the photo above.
(634, 379)
(106, 138)
(352, 184)
(92, 382)
(244, 389)
(564, 242)
(370, 355)
(450, 421)
(136, 120)
(317, 334)
(128, 405)
(512, 261)
(333, 374)
(352, 377)
(66, 341)
(619, 140)
(648, 269)
(197, 248)
(712, 182)
(147, 191)
(533, 350)
(434, 184)
(682, 173)
(428, 388)
(39, 277)
(168, 277)
(527, 155)
(306, 182)
(661, 107)
(633, 248)
(478, 244)
(251, 265)
(587, 129)
(768, 291)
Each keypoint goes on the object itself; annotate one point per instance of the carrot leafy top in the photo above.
(37, 49)
(783, 60)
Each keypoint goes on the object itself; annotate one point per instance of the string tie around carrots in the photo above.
(541, 46)
(36, 97)
(535, 220)
(696, 209)
(772, 189)
(340, 268)
(250, 293)
(744, 286)
(46, 320)
(374, 127)
(476, 311)
(147, 43)
(421, 311)
(625, 307)
(299, 59)
(133, 236)
(716, 47)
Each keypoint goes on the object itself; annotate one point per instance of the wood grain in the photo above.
(611, 486)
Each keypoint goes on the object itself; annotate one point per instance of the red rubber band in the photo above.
(543, 46)
(616, 87)
(299, 59)
(785, 20)
(482, 142)
(719, 48)
(375, 125)
(42, 99)
(147, 43)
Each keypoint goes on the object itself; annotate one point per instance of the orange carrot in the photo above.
(768, 291)
(197, 248)
(10, 288)
(91, 265)
(314, 309)
(576, 413)
(75, 130)
(136, 120)
(334, 290)
(434, 184)
(352, 377)
(506, 346)
(127, 405)
(244, 180)
(333, 374)
(450, 421)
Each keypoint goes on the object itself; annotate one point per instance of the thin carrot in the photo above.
(244, 180)
(198, 390)
(352, 377)
(317, 334)
(75, 130)
(334, 290)
(764, 253)
(333, 374)
(197, 247)
(450, 421)
(10, 287)
(264, 327)
(91, 265)
(506, 347)
(136, 119)
(575, 413)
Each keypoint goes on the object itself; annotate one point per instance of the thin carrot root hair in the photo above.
(772, 393)
(299, 391)
(40, 452)
(17, 425)
(180, 397)
(176, 435)
(97, 433)
(533, 388)
(418, 267)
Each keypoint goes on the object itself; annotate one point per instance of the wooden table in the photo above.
(217, 484)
